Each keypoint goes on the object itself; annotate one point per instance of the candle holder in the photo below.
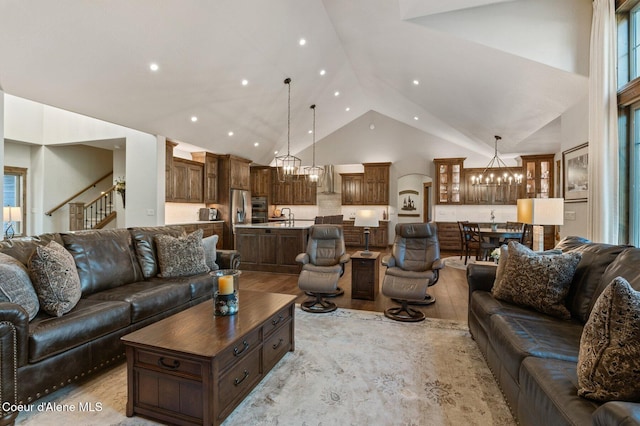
(225, 291)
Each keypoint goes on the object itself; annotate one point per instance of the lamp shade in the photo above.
(366, 219)
(12, 214)
(541, 211)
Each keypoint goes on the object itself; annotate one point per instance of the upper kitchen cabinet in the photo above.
(449, 180)
(187, 181)
(260, 181)
(240, 174)
(538, 173)
(295, 192)
(168, 171)
(376, 183)
(352, 191)
(210, 188)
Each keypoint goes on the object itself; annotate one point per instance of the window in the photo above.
(15, 193)
(628, 46)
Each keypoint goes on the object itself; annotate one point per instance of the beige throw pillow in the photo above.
(15, 285)
(181, 256)
(55, 278)
(609, 358)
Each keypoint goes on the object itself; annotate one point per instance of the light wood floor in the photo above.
(451, 292)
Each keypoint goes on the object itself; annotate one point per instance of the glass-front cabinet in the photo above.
(538, 176)
(449, 180)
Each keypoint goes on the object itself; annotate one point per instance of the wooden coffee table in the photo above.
(195, 368)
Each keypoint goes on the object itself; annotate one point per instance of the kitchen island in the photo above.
(272, 247)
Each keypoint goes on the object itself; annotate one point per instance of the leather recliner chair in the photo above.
(322, 266)
(412, 266)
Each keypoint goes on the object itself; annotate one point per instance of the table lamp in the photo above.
(539, 212)
(367, 219)
(10, 215)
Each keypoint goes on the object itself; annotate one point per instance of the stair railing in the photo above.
(91, 185)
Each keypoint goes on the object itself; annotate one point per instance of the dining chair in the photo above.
(515, 227)
(475, 241)
(463, 239)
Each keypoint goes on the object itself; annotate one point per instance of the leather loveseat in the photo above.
(534, 356)
(120, 293)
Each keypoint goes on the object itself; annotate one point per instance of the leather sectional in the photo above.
(120, 293)
(534, 356)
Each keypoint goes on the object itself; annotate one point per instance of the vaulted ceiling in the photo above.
(461, 70)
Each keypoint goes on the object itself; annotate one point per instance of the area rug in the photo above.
(349, 367)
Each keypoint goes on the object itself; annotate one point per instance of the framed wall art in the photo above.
(575, 177)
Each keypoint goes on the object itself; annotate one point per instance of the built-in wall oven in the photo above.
(259, 210)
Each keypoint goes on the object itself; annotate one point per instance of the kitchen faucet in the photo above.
(291, 217)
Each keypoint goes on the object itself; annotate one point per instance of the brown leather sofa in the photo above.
(534, 356)
(120, 293)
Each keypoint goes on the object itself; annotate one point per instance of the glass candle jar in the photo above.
(225, 291)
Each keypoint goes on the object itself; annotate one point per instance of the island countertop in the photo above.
(297, 224)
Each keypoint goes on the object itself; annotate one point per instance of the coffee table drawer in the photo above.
(276, 346)
(239, 350)
(238, 381)
(276, 321)
(167, 364)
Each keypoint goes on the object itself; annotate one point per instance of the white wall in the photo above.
(575, 131)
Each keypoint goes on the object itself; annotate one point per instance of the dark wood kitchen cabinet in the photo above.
(376, 183)
(260, 181)
(187, 181)
(352, 193)
(168, 171)
(449, 180)
(210, 184)
(271, 249)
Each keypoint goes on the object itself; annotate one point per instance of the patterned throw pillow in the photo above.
(15, 285)
(181, 256)
(537, 281)
(55, 278)
(609, 358)
(504, 255)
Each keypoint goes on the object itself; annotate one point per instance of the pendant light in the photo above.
(288, 165)
(497, 183)
(314, 174)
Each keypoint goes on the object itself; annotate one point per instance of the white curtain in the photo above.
(603, 126)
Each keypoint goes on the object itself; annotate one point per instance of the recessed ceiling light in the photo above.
(154, 67)
(416, 118)
(302, 42)
(230, 133)
(245, 82)
(347, 109)
(194, 118)
(416, 82)
(336, 93)
(256, 144)
(323, 72)
(275, 152)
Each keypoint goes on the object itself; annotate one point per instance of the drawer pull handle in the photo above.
(171, 366)
(276, 345)
(238, 352)
(238, 381)
(275, 321)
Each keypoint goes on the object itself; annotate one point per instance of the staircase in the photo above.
(95, 214)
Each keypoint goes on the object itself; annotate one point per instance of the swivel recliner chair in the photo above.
(412, 266)
(322, 266)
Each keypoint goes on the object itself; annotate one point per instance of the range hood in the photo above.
(328, 180)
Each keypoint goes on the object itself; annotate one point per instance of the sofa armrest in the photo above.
(619, 413)
(480, 277)
(14, 322)
(14, 334)
(228, 259)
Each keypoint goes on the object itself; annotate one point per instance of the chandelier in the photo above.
(497, 183)
(288, 165)
(313, 173)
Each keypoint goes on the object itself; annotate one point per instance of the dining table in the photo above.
(497, 236)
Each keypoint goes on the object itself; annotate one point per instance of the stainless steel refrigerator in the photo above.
(240, 209)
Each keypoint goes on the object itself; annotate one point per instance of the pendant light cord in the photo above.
(313, 107)
(287, 81)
